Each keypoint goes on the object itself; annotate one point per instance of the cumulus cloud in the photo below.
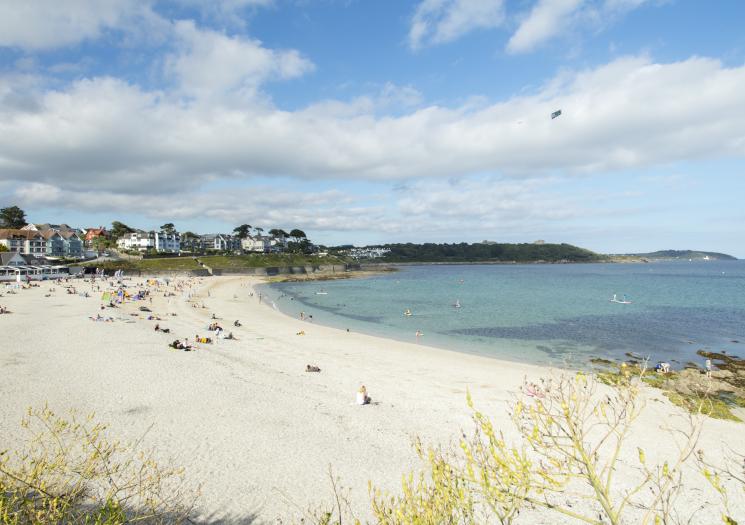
(210, 64)
(263, 206)
(107, 135)
(46, 24)
(440, 21)
(550, 18)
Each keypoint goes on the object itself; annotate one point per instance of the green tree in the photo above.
(168, 227)
(3, 248)
(12, 217)
(242, 230)
(298, 235)
(189, 236)
(101, 243)
(119, 229)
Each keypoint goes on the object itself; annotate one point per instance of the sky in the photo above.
(375, 121)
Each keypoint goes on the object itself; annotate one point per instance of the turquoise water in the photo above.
(549, 314)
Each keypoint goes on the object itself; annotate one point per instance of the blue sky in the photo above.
(381, 121)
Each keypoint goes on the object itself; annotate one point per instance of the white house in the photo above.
(256, 244)
(143, 241)
(27, 242)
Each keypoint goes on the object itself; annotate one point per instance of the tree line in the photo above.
(478, 252)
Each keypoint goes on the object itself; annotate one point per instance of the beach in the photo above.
(243, 417)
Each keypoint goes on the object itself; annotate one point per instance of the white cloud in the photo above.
(103, 134)
(261, 205)
(440, 21)
(551, 18)
(46, 24)
(547, 19)
(210, 64)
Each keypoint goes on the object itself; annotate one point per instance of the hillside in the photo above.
(489, 253)
(682, 255)
(217, 262)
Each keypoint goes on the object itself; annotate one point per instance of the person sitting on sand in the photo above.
(4, 310)
(230, 336)
(157, 327)
(362, 397)
(301, 332)
(237, 323)
(312, 368)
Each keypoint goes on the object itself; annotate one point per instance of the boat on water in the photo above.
(457, 303)
(407, 313)
(322, 292)
(615, 299)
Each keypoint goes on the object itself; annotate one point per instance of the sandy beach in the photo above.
(243, 417)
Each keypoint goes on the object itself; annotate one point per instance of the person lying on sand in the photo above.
(202, 339)
(362, 397)
(301, 332)
(144, 309)
(312, 368)
(164, 330)
(178, 345)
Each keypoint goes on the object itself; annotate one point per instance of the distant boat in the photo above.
(407, 312)
(322, 293)
(620, 301)
(457, 303)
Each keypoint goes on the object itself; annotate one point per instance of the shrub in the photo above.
(69, 472)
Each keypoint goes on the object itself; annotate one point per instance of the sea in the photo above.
(555, 314)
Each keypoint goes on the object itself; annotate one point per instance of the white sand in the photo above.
(243, 417)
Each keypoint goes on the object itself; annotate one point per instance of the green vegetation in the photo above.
(679, 254)
(483, 252)
(709, 406)
(171, 264)
(70, 472)
(12, 217)
(216, 262)
(264, 260)
(690, 388)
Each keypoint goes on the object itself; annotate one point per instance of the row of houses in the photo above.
(43, 241)
(173, 242)
(60, 240)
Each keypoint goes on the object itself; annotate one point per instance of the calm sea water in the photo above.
(556, 314)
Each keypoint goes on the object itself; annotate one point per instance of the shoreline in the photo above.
(243, 417)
